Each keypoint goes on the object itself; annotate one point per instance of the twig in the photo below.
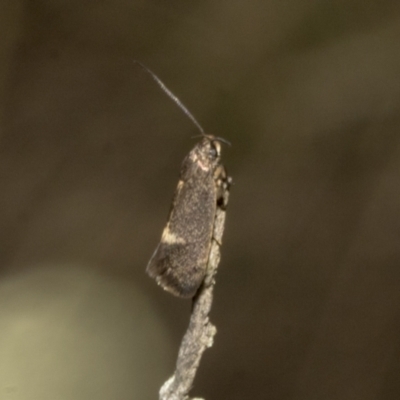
(200, 333)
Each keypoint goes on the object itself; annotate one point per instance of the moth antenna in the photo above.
(217, 138)
(222, 140)
(171, 96)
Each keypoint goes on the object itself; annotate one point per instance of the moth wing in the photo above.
(179, 262)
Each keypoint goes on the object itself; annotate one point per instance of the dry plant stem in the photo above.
(200, 333)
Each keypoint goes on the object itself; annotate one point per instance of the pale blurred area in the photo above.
(65, 334)
(307, 302)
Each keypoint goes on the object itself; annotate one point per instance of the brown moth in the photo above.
(179, 262)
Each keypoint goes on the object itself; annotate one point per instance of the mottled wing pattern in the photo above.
(180, 260)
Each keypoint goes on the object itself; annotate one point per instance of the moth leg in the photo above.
(219, 243)
(222, 184)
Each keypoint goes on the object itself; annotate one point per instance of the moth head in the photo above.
(208, 152)
(213, 149)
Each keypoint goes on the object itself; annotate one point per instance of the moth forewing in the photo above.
(180, 260)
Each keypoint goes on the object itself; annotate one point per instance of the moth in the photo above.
(179, 263)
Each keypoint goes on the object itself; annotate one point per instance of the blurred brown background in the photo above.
(308, 297)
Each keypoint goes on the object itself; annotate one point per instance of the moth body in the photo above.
(179, 262)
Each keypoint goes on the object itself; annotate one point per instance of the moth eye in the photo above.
(213, 152)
